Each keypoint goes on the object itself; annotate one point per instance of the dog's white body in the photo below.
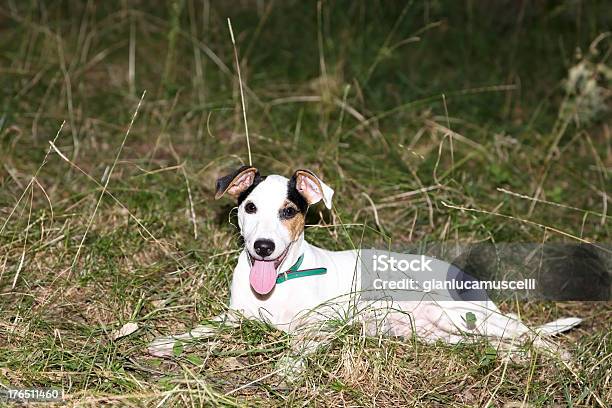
(304, 302)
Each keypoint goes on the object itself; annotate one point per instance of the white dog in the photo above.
(282, 279)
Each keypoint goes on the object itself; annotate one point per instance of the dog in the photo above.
(283, 280)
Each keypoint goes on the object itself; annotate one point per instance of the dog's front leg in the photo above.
(164, 346)
(292, 365)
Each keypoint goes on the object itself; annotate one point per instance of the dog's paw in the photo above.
(162, 347)
(290, 368)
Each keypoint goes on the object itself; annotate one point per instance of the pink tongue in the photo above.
(263, 276)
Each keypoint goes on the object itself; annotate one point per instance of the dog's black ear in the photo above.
(237, 182)
(312, 188)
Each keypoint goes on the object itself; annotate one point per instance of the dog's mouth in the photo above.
(277, 261)
(264, 272)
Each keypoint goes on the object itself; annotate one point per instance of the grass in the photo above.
(466, 104)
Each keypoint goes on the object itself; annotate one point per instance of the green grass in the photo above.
(364, 93)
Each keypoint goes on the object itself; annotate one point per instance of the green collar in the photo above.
(294, 272)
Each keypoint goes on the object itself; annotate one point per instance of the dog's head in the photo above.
(271, 215)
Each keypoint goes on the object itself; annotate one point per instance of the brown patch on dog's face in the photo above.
(292, 219)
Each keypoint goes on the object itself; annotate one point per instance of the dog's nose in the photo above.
(264, 247)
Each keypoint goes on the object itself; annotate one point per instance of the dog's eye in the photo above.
(288, 212)
(250, 208)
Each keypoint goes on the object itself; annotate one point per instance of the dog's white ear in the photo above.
(236, 183)
(312, 188)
